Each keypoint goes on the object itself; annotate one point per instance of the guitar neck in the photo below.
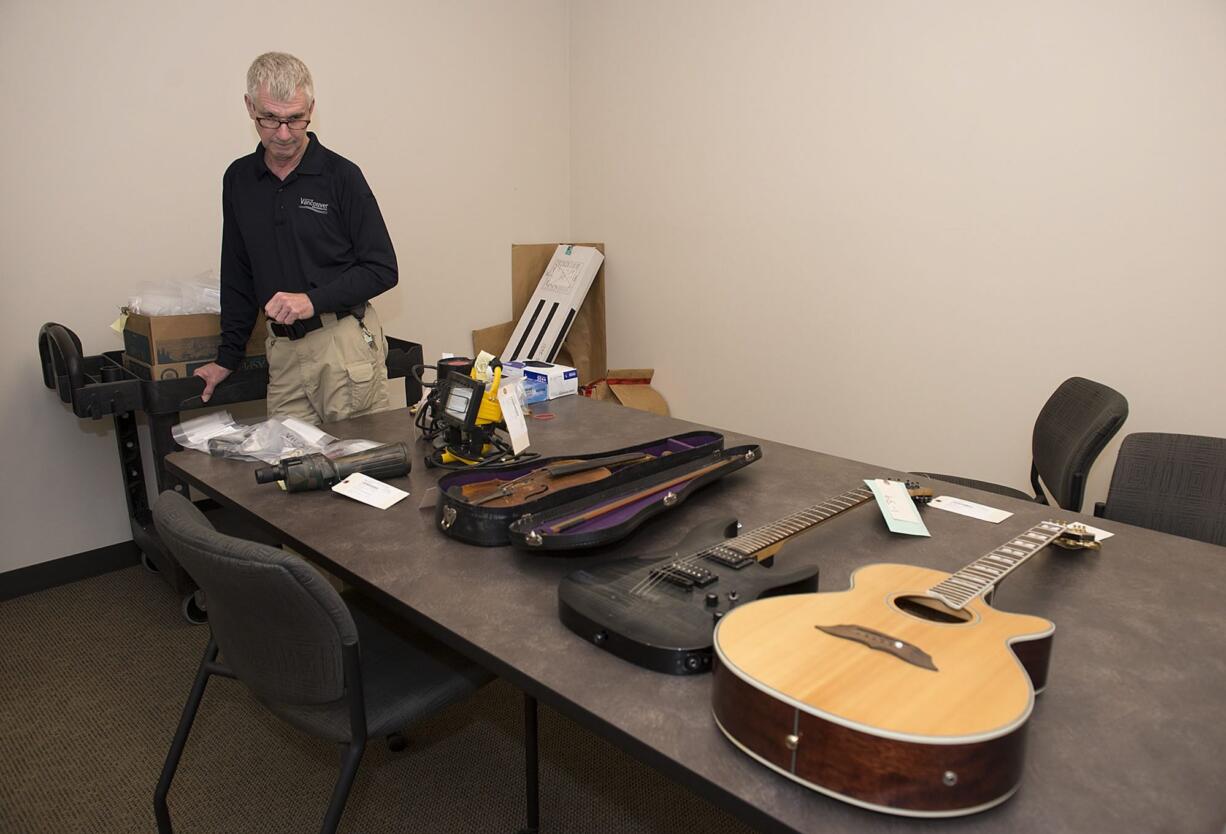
(984, 573)
(767, 535)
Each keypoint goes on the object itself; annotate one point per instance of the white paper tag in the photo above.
(897, 501)
(369, 491)
(429, 500)
(513, 416)
(969, 508)
(1099, 534)
(897, 507)
(306, 431)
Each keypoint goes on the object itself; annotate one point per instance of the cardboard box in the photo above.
(172, 347)
(531, 390)
(554, 305)
(559, 380)
(584, 348)
(631, 387)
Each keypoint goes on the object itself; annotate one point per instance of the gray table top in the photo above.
(1130, 734)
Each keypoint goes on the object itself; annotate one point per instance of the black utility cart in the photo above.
(99, 386)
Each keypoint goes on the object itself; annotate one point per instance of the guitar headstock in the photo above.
(920, 495)
(1076, 537)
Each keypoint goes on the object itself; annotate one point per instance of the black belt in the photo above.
(303, 326)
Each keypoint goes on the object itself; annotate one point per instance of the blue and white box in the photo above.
(560, 380)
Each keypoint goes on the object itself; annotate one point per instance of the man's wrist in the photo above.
(316, 307)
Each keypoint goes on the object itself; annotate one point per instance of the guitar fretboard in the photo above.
(981, 575)
(762, 537)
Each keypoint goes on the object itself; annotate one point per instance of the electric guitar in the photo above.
(659, 610)
(906, 693)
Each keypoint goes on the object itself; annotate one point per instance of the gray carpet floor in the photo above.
(93, 676)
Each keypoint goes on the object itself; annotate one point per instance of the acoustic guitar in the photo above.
(906, 693)
(659, 610)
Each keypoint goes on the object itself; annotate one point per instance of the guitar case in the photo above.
(589, 514)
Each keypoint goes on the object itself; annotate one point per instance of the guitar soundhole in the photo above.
(932, 610)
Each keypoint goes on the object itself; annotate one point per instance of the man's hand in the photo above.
(289, 307)
(212, 374)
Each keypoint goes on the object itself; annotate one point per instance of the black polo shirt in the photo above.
(317, 232)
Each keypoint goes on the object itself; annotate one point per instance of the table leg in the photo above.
(530, 762)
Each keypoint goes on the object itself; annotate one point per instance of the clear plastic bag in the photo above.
(269, 440)
(199, 294)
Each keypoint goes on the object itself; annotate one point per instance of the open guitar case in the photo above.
(617, 503)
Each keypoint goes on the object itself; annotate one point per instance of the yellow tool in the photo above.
(472, 423)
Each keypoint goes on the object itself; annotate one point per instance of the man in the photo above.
(303, 240)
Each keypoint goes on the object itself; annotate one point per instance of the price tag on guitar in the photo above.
(897, 508)
(513, 417)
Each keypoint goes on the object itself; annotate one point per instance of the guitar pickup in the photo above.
(684, 575)
(728, 557)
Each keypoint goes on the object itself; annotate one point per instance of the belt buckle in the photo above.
(293, 332)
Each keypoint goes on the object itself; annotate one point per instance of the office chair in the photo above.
(1173, 483)
(1074, 425)
(328, 669)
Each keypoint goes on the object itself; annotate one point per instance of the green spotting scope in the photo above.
(317, 471)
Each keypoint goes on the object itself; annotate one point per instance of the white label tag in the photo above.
(1099, 534)
(969, 508)
(897, 501)
(429, 499)
(306, 431)
(513, 416)
(366, 489)
(897, 507)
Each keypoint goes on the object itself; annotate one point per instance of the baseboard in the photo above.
(40, 577)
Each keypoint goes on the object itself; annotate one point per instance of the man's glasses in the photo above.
(269, 123)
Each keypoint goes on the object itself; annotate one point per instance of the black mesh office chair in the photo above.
(1174, 483)
(1071, 430)
(328, 669)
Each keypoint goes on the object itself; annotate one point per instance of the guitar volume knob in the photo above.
(712, 600)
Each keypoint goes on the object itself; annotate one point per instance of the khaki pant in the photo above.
(329, 374)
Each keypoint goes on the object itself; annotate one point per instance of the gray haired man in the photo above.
(304, 241)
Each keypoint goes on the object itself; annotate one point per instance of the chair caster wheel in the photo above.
(148, 564)
(397, 743)
(193, 611)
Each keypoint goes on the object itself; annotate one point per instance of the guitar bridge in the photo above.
(684, 575)
(728, 557)
(882, 642)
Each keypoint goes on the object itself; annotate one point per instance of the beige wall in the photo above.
(119, 120)
(884, 230)
(889, 230)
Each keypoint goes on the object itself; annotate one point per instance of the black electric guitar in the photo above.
(658, 611)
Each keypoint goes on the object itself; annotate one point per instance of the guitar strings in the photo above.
(989, 570)
(760, 537)
(756, 538)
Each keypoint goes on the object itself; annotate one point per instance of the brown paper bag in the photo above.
(632, 388)
(585, 348)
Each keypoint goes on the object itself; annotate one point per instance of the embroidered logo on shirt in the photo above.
(312, 205)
